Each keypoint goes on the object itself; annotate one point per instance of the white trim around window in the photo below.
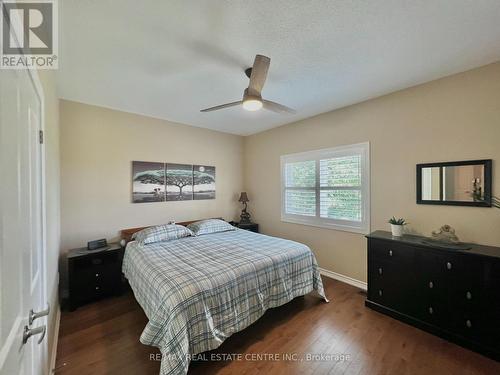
(314, 189)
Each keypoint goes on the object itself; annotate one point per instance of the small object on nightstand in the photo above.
(252, 227)
(94, 274)
(97, 244)
(245, 216)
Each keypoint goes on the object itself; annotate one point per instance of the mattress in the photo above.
(198, 291)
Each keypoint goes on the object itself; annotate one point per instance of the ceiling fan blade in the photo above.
(222, 106)
(259, 74)
(276, 107)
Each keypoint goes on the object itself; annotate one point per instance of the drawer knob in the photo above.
(390, 253)
(448, 265)
(431, 310)
(468, 323)
(431, 284)
(380, 292)
(380, 271)
(468, 295)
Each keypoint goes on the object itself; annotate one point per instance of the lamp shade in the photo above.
(243, 197)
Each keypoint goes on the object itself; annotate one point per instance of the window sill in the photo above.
(343, 228)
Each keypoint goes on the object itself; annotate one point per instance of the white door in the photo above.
(23, 348)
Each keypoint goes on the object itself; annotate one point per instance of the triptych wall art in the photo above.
(159, 182)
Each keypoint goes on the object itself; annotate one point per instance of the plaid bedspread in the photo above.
(198, 291)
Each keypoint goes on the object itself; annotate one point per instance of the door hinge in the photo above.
(40, 136)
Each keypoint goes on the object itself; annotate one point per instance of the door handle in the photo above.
(28, 332)
(39, 314)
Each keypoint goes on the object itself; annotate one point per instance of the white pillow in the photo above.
(210, 226)
(162, 233)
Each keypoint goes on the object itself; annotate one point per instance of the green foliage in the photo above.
(334, 173)
(341, 171)
(399, 221)
(301, 174)
(151, 177)
(341, 205)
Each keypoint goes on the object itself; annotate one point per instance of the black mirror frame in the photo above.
(487, 182)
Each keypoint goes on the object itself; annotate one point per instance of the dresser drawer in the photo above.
(391, 251)
(93, 291)
(390, 275)
(383, 294)
(450, 264)
(460, 275)
(99, 273)
(431, 303)
(97, 260)
(433, 311)
(492, 273)
(490, 328)
(471, 325)
(94, 275)
(94, 283)
(391, 285)
(492, 287)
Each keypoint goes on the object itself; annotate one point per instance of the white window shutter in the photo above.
(328, 188)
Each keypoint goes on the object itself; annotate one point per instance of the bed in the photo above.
(198, 291)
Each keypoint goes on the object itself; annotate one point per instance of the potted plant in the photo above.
(397, 226)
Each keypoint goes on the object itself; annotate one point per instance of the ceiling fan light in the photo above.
(252, 104)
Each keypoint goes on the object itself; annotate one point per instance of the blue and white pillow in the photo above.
(210, 226)
(162, 233)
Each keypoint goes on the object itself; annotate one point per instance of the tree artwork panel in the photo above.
(148, 182)
(204, 182)
(179, 182)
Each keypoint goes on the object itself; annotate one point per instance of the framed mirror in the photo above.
(458, 183)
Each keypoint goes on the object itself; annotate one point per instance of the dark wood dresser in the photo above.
(452, 293)
(93, 275)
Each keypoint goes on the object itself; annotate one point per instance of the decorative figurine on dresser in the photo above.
(94, 272)
(446, 234)
(450, 289)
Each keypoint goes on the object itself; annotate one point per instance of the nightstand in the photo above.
(94, 274)
(252, 227)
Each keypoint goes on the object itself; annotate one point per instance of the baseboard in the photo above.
(53, 354)
(345, 279)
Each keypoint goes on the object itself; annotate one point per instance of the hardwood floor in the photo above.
(103, 338)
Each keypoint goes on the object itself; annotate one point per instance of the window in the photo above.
(328, 188)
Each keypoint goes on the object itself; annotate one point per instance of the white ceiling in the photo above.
(169, 59)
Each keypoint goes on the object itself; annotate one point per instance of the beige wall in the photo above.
(51, 141)
(98, 146)
(455, 118)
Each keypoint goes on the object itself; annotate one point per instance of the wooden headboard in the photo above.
(126, 234)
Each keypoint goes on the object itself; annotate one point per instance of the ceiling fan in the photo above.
(252, 98)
